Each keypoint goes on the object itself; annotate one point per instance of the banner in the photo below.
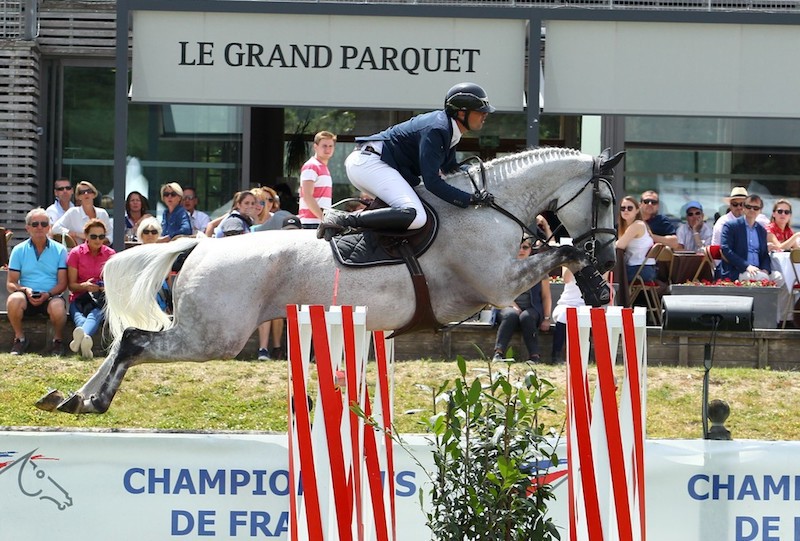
(134, 486)
(324, 60)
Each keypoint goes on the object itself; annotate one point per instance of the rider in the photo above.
(388, 164)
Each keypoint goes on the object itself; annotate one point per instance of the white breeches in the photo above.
(370, 174)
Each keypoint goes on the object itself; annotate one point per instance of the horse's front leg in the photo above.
(595, 289)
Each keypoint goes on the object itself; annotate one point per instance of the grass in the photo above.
(235, 395)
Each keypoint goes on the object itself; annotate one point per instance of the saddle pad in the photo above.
(373, 248)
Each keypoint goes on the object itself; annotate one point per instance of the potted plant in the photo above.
(488, 447)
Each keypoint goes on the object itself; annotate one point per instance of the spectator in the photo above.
(571, 296)
(744, 245)
(634, 237)
(62, 188)
(779, 235)
(176, 221)
(529, 312)
(276, 221)
(695, 233)
(73, 220)
(198, 218)
(240, 218)
(316, 184)
(265, 202)
(87, 298)
(661, 229)
(137, 208)
(389, 164)
(291, 222)
(735, 210)
(149, 230)
(37, 276)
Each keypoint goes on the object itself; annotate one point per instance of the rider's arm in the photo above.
(433, 156)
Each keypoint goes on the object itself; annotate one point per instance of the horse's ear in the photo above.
(607, 164)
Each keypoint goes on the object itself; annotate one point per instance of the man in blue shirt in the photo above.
(661, 229)
(37, 276)
(389, 164)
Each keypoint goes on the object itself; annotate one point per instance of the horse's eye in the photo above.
(606, 201)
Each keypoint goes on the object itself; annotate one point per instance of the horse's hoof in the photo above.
(50, 401)
(73, 404)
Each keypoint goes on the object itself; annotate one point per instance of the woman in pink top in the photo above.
(84, 271)
(779, 235)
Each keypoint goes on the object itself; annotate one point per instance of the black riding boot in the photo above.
(392, 219)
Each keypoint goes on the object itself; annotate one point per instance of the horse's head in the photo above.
(34, 481)
(593, 232)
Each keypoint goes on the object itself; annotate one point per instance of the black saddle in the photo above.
(371, 248)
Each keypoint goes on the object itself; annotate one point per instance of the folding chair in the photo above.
(705, 271)
(650, 290)
(792, 307)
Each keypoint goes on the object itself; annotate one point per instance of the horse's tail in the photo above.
(133, 278)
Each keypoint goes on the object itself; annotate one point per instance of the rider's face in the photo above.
(474, 120)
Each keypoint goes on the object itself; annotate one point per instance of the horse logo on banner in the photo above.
(33, 480)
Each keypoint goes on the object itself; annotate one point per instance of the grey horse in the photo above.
(228, 286)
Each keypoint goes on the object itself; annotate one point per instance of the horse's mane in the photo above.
(533, 155)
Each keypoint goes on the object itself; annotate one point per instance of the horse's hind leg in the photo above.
(96, 395)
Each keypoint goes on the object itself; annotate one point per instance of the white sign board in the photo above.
(323, 60)
(684, 69)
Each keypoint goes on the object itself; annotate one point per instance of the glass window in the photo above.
(702, 159)
(192, 145)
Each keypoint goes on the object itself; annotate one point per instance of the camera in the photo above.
(36, 294)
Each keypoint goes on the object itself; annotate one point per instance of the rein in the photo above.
(598, 175)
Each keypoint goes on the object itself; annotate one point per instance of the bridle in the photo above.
(600, 174)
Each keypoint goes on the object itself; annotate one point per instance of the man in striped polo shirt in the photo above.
(316, 184)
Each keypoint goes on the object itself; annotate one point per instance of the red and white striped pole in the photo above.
(605, 438)
(336, 485)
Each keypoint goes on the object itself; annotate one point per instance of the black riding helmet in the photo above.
(467, 97)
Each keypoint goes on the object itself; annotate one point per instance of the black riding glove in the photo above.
(481, 198)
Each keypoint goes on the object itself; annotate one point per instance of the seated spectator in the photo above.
(265, 200)
(37, 276)
(291, 222)
(634, 238)
(198, 218)
(240, 218)
(137, 208)
(175, 221)
(149, 230)
(695, 233)
(73, 220)
(735, 209)
(570, 297)
(659, 227)
(62, 188)
(779, 235)
(85, 265)
(529, 312)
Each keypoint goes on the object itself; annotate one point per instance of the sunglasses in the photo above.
(84, 192)
(149, 232)
(783, 211)
(270, 199)
(188, 197)
(650, 201)
(63, 188)
(695, 213)
(170, 194)
(39, 224)
(101, 236)
(736, 205)
(626, 208)
(751, 207)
